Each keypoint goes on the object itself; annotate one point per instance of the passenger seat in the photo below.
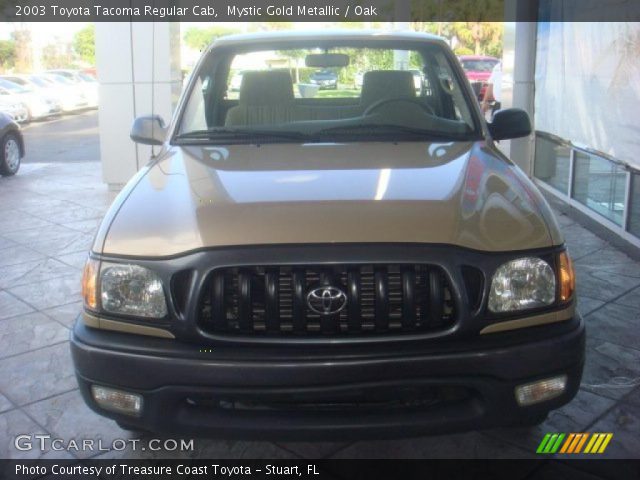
(266, 98)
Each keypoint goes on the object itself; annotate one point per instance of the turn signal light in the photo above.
(117, 401)
(540, 391)
(90, 283)
(567, 278)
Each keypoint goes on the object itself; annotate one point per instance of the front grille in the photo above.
(375, 300)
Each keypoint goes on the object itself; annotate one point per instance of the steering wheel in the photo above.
(376, 105)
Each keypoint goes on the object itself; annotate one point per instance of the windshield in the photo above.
(59, 79)
(13, 87)
(479, 65)
(41, 82)
(364, 94)
(87, 78)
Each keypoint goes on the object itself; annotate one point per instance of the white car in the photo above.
(71, 97)
(13, 107)
(36, 84)
(86, 83)
(39, 104)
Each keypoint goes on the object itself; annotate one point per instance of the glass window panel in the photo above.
(634, 213)
(552, 164)
(600, 185)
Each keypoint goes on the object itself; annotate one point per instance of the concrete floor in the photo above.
(49, 212)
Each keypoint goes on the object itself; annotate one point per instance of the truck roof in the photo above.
(322, 35)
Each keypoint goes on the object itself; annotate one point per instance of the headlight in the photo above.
(522, 284)
(131, 290)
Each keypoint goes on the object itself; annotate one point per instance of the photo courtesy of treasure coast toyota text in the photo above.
(322, 239)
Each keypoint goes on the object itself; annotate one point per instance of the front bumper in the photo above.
(206, 392)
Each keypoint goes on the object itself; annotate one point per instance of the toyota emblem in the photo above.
(326, 300)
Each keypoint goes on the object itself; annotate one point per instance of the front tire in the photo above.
(9, 154)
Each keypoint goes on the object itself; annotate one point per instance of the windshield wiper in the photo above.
(236, 133)
(379, 128)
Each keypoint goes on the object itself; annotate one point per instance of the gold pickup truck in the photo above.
(305, 263)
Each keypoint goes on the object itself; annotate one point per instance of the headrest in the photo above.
(271, 87)
(379, 84)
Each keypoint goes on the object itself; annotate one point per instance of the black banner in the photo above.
(123, 469)
(318, 10)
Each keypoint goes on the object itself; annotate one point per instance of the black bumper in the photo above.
(318, 395)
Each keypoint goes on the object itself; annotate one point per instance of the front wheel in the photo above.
(9, 154)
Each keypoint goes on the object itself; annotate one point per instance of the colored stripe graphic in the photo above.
(582, 440)
(605, 442)
(573, 443)
(543, 443)
(551, 443)
(592, 442)
(576, 441)
(567, 442)
(556, 446)
(598, 443)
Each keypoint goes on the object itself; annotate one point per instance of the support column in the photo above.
(139, 73)
(523, 149)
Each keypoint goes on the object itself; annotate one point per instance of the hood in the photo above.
(459, 193)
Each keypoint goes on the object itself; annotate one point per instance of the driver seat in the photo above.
(379, 84)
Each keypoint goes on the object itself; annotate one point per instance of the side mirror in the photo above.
(149, 130)
(510, 123)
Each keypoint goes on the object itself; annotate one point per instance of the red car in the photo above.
(478, 69)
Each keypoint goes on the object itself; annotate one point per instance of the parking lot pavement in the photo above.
(66, 138)
(49, 212)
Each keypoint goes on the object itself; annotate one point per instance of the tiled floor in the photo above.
(48, 214)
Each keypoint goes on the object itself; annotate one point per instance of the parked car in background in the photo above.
(92, 72)
(324, 79)
(71, 97)
(40, 104)
(62, 96)
(478, 69)
(11, 145)
(13, 106)
(86, 83)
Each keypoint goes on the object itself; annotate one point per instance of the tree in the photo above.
(23, 57)
(84, 44)
(479, 38)
(55, 56)
(199, 38)
(7, 54)
(294, 57)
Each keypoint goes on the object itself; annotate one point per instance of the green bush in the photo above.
(461, 50)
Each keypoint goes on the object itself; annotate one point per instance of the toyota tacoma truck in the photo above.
(360, 263)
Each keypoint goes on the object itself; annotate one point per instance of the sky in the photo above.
(66, 30)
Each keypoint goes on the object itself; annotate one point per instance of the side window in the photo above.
(450, 88)
(194, 114)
